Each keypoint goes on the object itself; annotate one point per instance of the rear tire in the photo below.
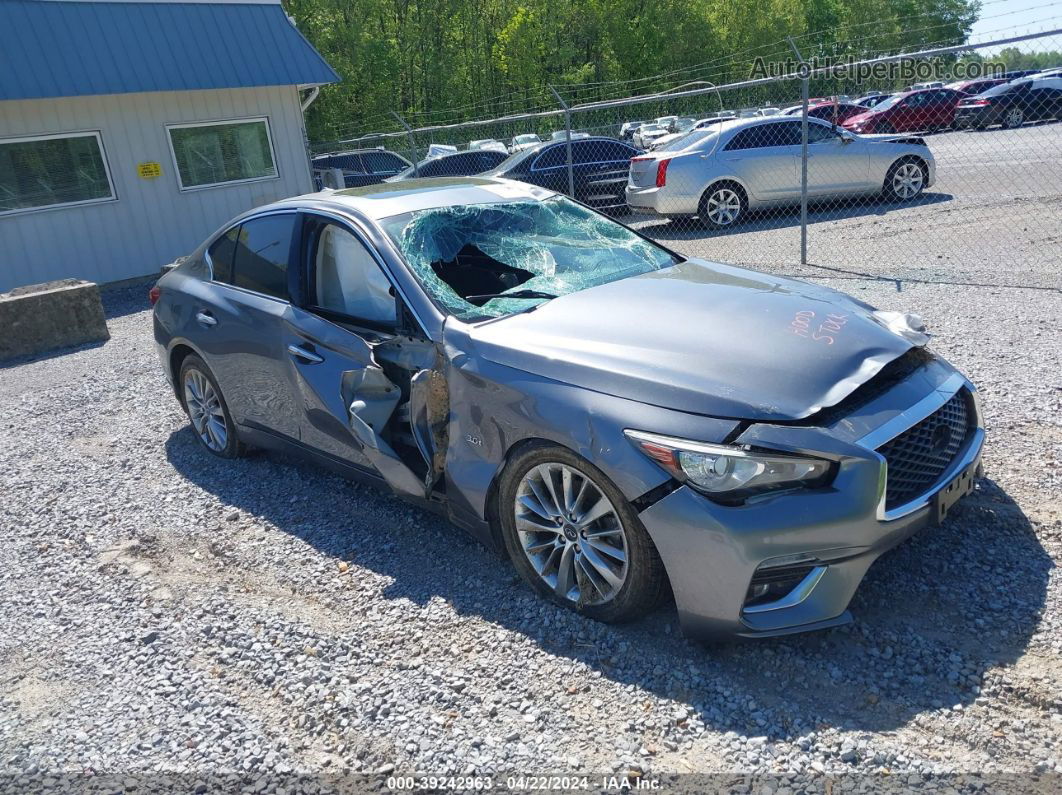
(722, 206)
(574, 538)
(207, 410)
(1015, 117)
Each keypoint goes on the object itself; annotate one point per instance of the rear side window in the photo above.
(262, 252)
(766, 135)
(221, 254)
(612, 151)
(382, 162)
(554, 156)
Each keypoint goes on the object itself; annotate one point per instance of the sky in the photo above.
(1003, 18)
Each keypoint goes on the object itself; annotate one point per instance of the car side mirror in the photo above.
(846, 139)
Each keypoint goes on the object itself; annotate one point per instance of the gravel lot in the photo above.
(183, 622)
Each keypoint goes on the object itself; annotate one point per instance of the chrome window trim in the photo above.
(908, 419)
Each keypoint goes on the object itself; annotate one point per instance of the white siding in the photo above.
(152, 222)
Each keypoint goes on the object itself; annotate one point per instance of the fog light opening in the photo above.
(775, 586)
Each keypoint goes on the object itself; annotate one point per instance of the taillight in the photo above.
(661, 172)
(973, 102)
(154, 294)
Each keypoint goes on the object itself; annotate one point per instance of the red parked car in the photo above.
(928, 109)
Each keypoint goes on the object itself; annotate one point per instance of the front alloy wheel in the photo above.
(906, 180)
(574, 537)
(570, 534)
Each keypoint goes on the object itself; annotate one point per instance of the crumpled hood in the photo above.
(703, 338)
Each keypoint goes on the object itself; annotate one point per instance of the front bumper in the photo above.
(712, 552)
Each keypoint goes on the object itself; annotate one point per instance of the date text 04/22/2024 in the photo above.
(530, 783)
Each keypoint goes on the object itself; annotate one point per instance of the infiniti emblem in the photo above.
(938, 442)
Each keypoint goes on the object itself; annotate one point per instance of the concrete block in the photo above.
(43, 317)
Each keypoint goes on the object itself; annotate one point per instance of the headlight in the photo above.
(728, 473)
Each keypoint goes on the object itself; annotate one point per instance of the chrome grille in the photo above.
(920, 455)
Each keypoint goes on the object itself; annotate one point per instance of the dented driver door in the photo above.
(346, 400)
(347, 309)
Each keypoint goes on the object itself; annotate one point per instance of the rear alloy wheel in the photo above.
(207, 410)
(721, 206)
(574, 538)
(1013, 118)
(906, 180)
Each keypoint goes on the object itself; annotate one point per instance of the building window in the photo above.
(222, 152)
(53, 171)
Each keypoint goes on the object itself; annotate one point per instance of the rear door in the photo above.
(766, 157)
(549, 168)
(942, 107)
(238, 330)
(1044, 101)
(601, 169)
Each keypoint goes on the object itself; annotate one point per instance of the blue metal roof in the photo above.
(69, 49)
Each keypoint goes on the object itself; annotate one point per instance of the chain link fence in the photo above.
(907, 167)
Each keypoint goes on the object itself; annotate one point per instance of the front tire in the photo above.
(207, 410)
(574, 538)
(905, 180)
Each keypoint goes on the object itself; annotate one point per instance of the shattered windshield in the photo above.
(466, 252)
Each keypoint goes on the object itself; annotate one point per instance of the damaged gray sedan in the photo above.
(622, 421)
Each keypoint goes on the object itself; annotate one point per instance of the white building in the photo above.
(129, 131)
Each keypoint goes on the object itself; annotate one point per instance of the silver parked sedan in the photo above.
(720, 173)
(622, 422)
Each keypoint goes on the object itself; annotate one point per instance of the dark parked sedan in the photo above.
(620, 420)
(1012, 104)
(599, 169)
(360, 166)
(454, 164)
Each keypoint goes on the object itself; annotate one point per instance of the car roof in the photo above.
(394, 198)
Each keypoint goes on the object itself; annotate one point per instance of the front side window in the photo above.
(53, 170)
(260, 261)
(221, 152)
(348, 281)
(817, 133)
(463, 253)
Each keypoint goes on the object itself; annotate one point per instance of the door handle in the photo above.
(206, 319)
(307, 356)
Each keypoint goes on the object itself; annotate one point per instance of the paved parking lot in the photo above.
(169, 614)
(993, 217)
